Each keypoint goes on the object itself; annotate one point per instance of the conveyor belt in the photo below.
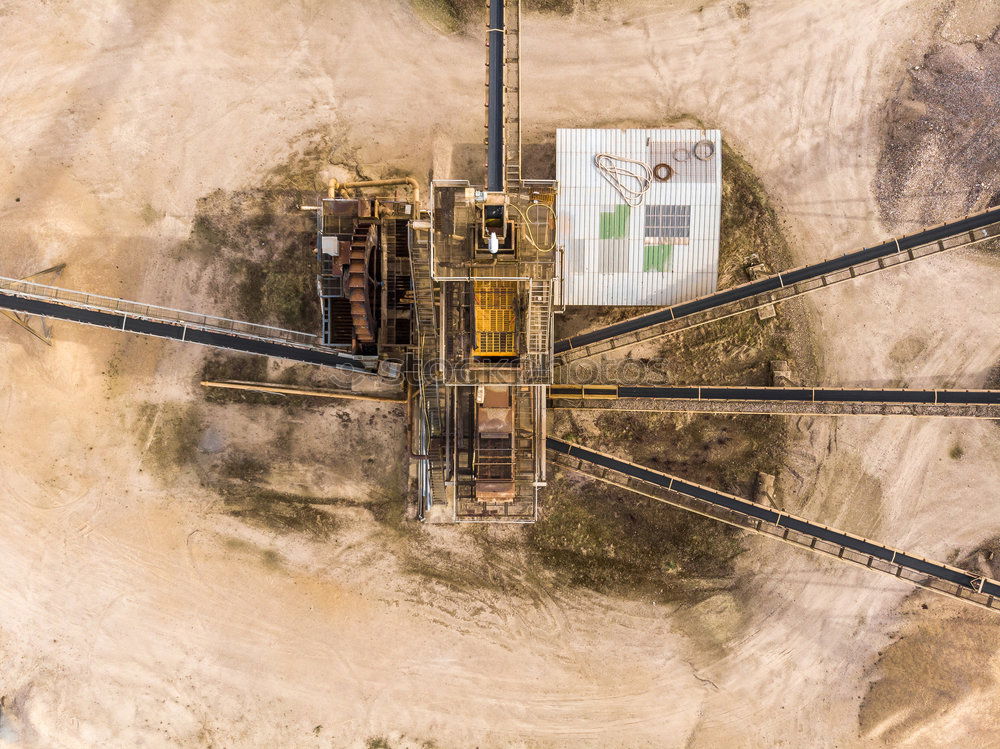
(188, 332)
(743, 513)
(780, 400)
(494, 101)
(782, 286)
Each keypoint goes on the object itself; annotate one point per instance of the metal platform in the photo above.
(782, 286)
(983, 404)
(742, 513)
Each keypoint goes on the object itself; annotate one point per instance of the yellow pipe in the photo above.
(263, 387)
(585, 392)
(334, 185)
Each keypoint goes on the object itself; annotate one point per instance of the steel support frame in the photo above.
(785, 401)
(781, 294)
(969, 594)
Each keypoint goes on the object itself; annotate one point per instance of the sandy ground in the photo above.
(132, 613)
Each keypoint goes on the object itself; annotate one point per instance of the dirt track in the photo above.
(133, 611)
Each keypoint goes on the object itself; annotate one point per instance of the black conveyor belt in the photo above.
(178, 332)
(819, 395)
(719, 298)
(494, 108)
(774, 517)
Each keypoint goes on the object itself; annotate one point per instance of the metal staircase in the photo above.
(335, 308)
(525, 431)
(537, 362)
(331, 291)
(428, 358)
(428, 349)
(397, 292)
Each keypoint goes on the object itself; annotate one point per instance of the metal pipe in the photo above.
(264, 387)
(494, 102)
(334, 185)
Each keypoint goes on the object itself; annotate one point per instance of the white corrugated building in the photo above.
(660, 247)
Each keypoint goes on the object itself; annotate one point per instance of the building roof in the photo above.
(629, 247)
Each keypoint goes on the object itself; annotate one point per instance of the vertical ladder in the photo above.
(538, 358)
(511, 91)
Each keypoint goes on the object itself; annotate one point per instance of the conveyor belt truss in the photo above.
(742, 513)
(782, 286)
(162, 322)
(780, 400)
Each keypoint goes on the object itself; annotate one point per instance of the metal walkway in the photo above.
(511, 91)
(742, 513)
(429, 375)
(782, 286)
(163, 322)
(780, 400)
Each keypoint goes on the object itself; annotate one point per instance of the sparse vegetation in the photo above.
(618, 542)
(460, 572)
(931, 667)
(736, 350)
(452, 16)
(271, 559)
(283, 293)
(150, 215)
(749, 224)
(614, 540)
(277, 511)
(721, 451)
(268, 558)
(313, 151)
(389, 507)
(172, 434)
(956, 452)
(265, 245)
(993, 378)
(240, 479)
(741, 10)
(244, 467)
(223, 366)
